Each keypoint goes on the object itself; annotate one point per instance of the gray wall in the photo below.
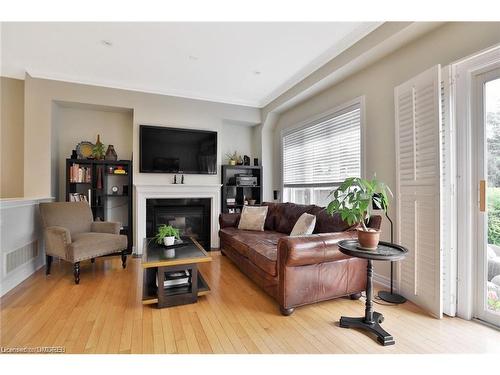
(40, 95)
(12, 137)
(376, 83)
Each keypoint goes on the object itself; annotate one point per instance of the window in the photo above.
(320, 155)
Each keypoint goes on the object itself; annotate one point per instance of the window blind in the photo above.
(324, 152)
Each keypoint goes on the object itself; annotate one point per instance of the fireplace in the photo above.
(190, 215)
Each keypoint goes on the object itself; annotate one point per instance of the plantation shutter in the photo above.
(324, 152)
(418, 185)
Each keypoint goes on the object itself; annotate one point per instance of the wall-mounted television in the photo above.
(173, 150)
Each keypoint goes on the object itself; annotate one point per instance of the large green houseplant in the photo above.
(354, 200)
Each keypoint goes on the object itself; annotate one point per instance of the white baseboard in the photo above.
(22, 273)
(382, 281)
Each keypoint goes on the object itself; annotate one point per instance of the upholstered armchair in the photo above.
(72, 235)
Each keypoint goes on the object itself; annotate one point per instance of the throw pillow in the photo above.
(253, 218)
(305, 225)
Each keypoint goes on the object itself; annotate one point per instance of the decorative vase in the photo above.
(169, 241)
(111, 153)
(240, 160)
(368, 239)
(232, 162)
(98, 152)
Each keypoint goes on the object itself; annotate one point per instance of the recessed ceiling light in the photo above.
(106, 43)
(193, 58)
(256, 72)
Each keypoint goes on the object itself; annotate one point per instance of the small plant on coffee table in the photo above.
(354, 200)
(166, 232)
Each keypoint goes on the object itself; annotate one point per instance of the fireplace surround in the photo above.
(175, 191)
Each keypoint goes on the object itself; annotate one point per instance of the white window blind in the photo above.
(324, 152)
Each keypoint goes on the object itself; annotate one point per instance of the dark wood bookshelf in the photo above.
(231, 190)
(99, 189)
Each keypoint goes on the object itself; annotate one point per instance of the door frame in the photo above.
(464, 72)
(480, 173)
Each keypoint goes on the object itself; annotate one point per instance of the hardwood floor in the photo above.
(104, 314)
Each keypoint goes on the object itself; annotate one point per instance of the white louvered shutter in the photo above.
(418, 185)
(324, 152)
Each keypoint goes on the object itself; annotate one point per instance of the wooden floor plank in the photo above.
(104, 314)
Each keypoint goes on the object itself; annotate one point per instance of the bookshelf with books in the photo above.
(107, 187)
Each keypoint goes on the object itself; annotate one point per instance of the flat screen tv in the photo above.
(172, 150)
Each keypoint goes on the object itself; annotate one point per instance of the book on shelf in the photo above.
(78, 197)
(80, 174)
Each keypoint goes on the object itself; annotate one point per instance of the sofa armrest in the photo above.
(106, 227)
(229, 220)
(311, 249)
(57, 241)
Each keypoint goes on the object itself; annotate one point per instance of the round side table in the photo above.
(372, 319)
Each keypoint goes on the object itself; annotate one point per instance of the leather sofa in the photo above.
(299, 270)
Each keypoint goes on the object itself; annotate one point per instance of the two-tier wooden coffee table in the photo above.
(158, 260)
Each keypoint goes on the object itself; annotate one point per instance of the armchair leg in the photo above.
(92, 260)
(124, 258)
(48, 263)
(76, 272)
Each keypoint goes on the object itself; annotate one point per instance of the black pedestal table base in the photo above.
(372, 319)
(383, 336)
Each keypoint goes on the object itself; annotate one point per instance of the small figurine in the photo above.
(175, 179)
(182, 179)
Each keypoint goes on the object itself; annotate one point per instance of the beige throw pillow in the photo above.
(253, 218)
(305, 225)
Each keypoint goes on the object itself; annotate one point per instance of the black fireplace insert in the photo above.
(190, 215)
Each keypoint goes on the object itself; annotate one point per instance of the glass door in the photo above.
(487, 115)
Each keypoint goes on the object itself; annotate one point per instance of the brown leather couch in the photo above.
(299, 270)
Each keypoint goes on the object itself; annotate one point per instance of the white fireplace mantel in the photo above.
(144, 192)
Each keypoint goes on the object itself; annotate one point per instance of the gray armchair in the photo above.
(72, 235)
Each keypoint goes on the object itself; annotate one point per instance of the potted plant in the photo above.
(354, 200)
(232, 158)
(166, 235)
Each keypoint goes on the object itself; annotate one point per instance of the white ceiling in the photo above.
(240, 63)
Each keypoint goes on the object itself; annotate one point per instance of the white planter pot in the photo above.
(169, 241)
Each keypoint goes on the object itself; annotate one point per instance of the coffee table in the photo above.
(157, 260)
(372, 319)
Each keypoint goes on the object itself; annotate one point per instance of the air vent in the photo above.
(21, 256)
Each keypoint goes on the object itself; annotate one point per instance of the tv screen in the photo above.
(171, 150)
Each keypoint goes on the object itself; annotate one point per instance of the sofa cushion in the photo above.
(259, 247)
(263, 253)
(235, 238)
(326, 223)
(272, 213)
(304, 225)
(253, 218)
(288, 214)
(91, 245)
